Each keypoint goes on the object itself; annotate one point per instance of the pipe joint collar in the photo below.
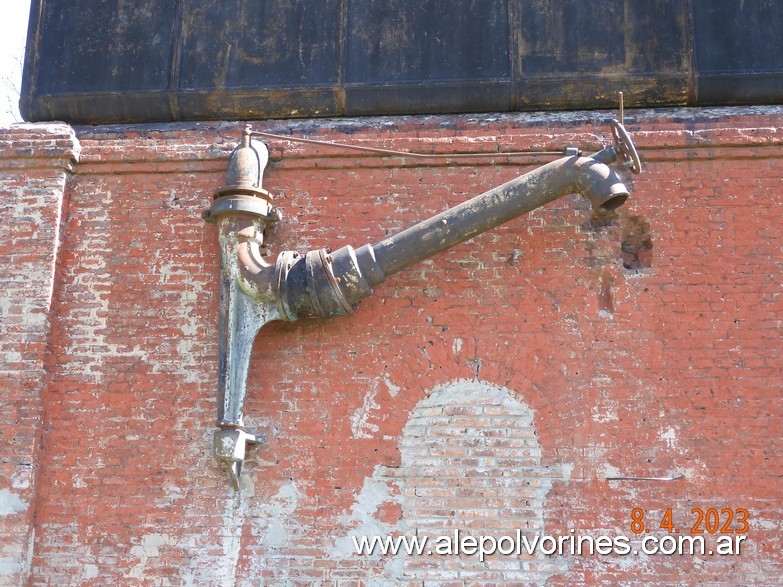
(324, 287)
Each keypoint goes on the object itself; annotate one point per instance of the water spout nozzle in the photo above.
(603, 187)
(601, 184)
(245, 171)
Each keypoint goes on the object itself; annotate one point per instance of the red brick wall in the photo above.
(34, 165)
(493, 387)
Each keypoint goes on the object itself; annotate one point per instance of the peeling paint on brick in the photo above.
(470, 460)
(149, 548)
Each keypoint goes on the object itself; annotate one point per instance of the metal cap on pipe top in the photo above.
(243, 191)
(245, 171)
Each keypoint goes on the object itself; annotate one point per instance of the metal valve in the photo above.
(625, 147)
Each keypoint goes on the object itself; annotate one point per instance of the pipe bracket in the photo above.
(229, 449)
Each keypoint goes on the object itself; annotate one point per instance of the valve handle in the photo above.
(625, 147)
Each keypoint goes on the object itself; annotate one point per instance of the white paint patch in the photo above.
(608, 470)
(603, 414)
(360, 424)
(393, 389)
(457, 434)
(234, 516)
(281, 507)
(9, 566)
(22, 477)
(670, 437)
(172, 494)
(457, 346)
(186, 317)
(90, 571)
(28, 561)
(89, 340)
(10, 503)
(692, 473)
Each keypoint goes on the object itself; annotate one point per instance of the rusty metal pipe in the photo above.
(499, 205)
(326, 284)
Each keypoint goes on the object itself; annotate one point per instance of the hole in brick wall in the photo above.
(636, 243)
(603, 232)
(602, 220)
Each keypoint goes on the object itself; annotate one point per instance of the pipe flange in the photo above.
(625, 147)
(285, 262)
(243, 189)
(242, 204)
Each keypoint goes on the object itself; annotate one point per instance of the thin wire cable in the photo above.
(391, 152)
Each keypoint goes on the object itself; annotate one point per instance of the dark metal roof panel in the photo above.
(104, 61)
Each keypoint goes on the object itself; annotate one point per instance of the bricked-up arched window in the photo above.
(471, 462)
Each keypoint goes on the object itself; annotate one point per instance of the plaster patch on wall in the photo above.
(604, 413)
(10, 503)
(91, 330)
(149, 548)
(171, 493)
(90, 572)
(363, 519)
(234, 516)
(22, 477)
(187, 317)
(278, 524)
(607, 471)
(9, 565)
(281, 507)
(695, 473)
(669, 436)
(28, 559)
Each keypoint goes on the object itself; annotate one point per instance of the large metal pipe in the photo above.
(330, 284)
(326, 284)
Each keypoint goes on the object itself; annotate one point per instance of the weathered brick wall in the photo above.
(34, 165)
(493, 387)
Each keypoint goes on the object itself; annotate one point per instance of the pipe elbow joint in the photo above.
(253, 274)
(324, 283)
